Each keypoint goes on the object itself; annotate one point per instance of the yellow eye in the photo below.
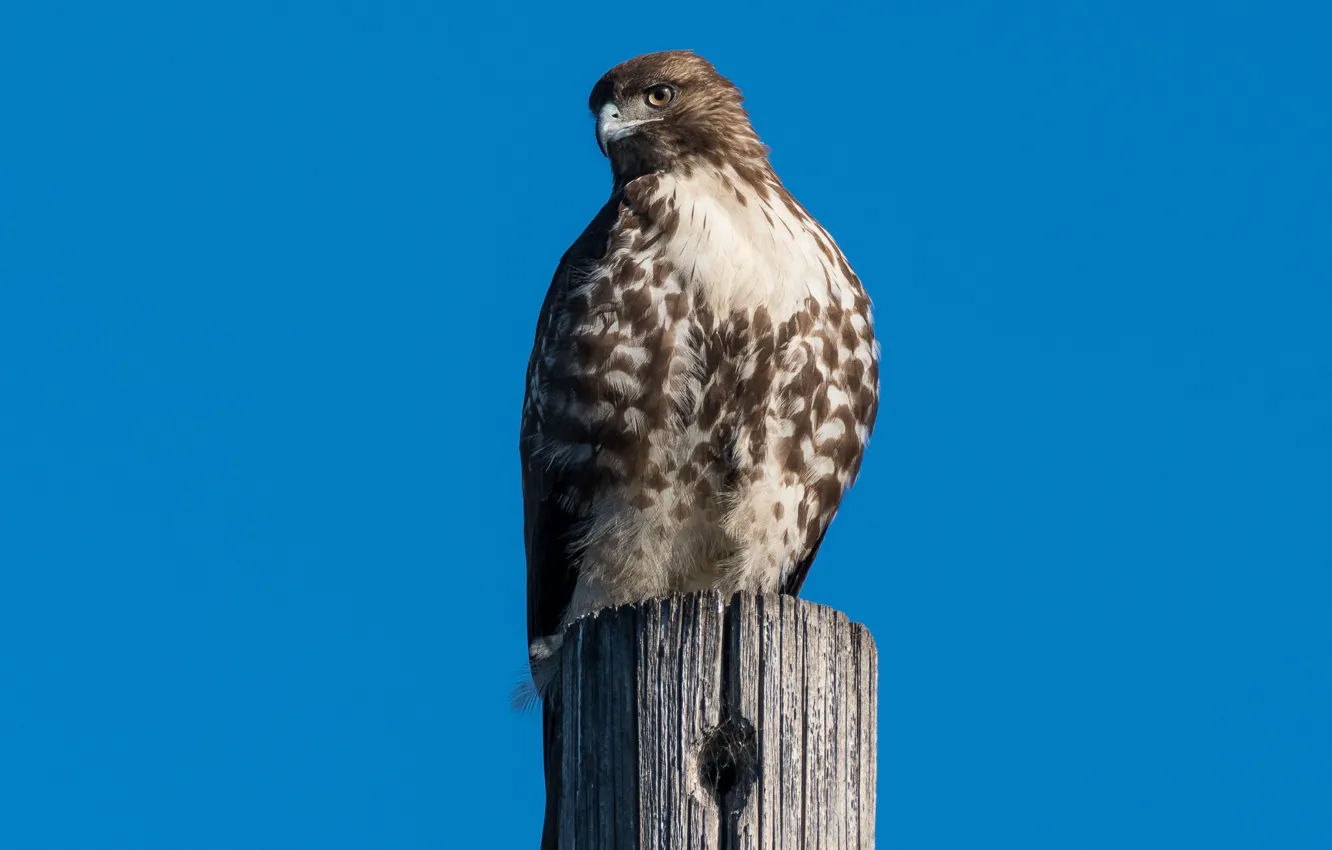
(659, 96)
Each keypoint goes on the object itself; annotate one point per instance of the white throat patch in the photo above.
(750, 253)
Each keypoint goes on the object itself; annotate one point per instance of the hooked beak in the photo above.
(611, 129)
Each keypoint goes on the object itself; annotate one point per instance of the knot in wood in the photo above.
(728, 762)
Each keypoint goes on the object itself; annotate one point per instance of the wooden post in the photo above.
(700, 723)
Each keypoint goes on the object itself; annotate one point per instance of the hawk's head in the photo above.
(671, 110)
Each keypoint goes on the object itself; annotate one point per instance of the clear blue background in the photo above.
(268, 278)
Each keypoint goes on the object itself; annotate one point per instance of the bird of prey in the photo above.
(704, 377)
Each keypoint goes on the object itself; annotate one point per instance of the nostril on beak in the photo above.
(608, 125)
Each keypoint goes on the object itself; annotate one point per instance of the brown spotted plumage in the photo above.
(704, 377)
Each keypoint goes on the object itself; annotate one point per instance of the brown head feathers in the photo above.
(672, 111)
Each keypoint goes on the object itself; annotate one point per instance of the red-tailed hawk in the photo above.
(704, 377)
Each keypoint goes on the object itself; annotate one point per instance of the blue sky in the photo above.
(268, 279)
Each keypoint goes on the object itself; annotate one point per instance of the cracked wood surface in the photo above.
(700, 723)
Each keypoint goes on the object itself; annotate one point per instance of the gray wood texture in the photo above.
(702, 723)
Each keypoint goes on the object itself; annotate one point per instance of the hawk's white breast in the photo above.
(742, 254)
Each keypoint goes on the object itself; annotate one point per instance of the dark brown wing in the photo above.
(548, 519)
(550, 575)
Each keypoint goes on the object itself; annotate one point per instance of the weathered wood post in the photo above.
(703, 723)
